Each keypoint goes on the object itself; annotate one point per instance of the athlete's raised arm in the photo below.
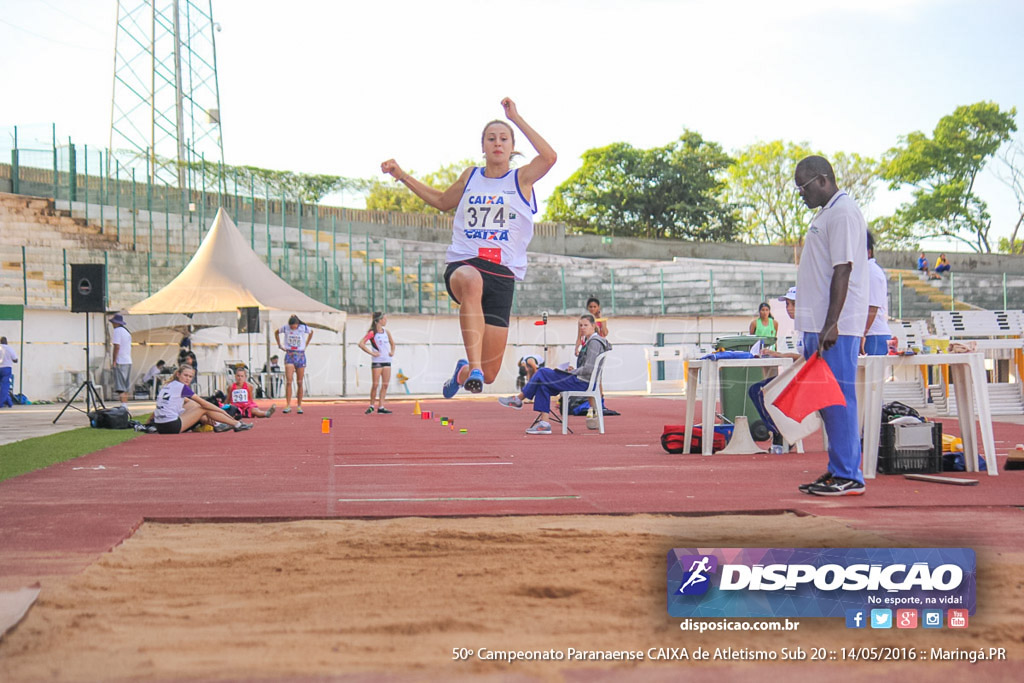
(546, 156)
(445, 200)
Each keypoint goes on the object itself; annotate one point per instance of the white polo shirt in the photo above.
(838, 234)
(122, 337)
(878, 295)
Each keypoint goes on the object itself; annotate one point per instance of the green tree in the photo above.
(942, 170)
(893, 235)
(310, 188)
(387, 195)
(1011, 174)
(771, 211)
(858, 176)
(761, 186)
(670, 191)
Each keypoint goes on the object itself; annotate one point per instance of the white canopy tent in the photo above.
(225, 274)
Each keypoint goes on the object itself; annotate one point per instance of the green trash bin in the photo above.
(736, 381)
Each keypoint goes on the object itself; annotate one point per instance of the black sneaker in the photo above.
(838, 486)
(220, 428)
(383, 411)
(806, 488)
(368, 411)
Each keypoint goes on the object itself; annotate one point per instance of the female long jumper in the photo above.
(493, 226)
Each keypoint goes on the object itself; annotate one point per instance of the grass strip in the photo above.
(33, 454)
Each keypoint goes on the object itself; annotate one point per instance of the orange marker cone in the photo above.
(416, 409)
(325, 426)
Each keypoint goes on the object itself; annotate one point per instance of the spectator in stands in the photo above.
(877, 332)
(547, 382)
(922, 264)
(178, 408)
(942, 265)
(296, 338)
(241, 394)
(764, 324)
(150, 377)
(273, 364)
(121, 358)
(7, 360)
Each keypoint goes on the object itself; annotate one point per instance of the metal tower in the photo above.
(165, 109)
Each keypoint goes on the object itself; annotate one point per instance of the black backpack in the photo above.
(110, 418)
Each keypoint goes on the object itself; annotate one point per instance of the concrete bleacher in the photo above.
(142, 262)
(328, 267)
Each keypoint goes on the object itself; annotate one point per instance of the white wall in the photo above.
(427, 350)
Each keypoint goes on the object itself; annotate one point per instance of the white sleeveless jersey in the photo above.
(493, 215)
(295, 340)
(383, 346)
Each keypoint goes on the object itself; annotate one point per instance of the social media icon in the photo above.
(881, 618)
(856, 618)
(906, 618)
(957, 618)
(931, 618)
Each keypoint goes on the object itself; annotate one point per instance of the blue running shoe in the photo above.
(475, 382)
(451, 387)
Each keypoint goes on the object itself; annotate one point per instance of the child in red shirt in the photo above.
(240, 395)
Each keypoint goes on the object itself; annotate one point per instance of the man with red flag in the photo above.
(831, 311)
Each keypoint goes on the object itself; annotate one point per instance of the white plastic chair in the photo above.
(593, 392)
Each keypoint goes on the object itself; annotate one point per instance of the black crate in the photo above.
(909, 461)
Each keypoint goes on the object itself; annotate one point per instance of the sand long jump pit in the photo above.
(447, 598)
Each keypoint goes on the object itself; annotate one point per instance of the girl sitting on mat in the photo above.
(178, 409)
(494, 207)
(240, 394)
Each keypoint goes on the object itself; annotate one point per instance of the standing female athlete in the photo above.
(296, 338)
(492, 228)
(379, 344)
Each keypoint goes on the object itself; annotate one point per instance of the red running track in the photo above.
(57, 520)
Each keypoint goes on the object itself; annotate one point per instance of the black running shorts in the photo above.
(172, 427)
(499, 286)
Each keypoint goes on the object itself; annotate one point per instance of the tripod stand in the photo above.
(91, 395)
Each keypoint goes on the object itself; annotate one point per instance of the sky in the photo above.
(338, 86)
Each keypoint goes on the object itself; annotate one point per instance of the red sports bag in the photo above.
(672, 438)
